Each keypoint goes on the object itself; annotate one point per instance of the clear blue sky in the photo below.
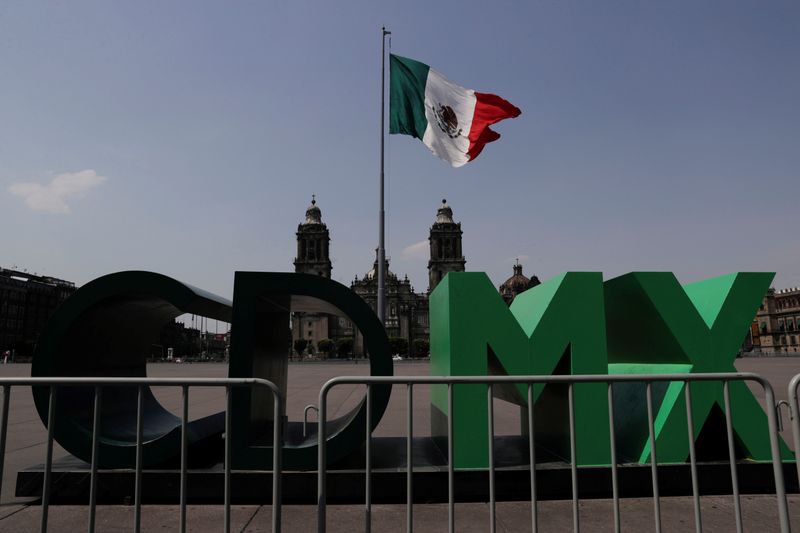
(188, 137)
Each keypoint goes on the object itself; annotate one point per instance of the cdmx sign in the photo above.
(575, 323)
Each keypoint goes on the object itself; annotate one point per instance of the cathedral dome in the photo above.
(445, 214)
(313, 213)
(373, 272)
(516, 284)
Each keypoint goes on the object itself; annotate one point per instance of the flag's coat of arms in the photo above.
(447, 120)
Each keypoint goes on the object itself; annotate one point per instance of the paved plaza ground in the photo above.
(26, 447)
(512, 517)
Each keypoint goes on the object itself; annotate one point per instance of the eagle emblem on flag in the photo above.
(447, 120)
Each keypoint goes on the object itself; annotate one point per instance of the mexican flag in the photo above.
(453, 122)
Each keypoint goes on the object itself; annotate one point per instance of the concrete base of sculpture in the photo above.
(346, 479)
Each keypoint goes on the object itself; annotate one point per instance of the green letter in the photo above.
(556, 327)
(260, 344)
(657, 326)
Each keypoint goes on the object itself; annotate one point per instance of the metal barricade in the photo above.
(99, 383)
(410, 381)
(310, 407)
(570, 382)
(794, 410)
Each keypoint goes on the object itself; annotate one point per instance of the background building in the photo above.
(445, 247)
(406, 310)
(313, 257)
(776, 328)
(516, 284)
(26, 303)
(407, 320)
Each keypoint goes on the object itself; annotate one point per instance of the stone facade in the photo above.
(776, 328)
(516, 284)
(26, 303)
(406, 310)
(313, 243)
(313, 257)
(445, 247)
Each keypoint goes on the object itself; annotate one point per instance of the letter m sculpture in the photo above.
(557, 327)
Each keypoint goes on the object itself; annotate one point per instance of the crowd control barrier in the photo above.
(53, 385)
(570, 381)
(100, 385)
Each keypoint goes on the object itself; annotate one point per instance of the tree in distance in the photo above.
(398, 345)
(420, 348)
(300, 346)
(344, 347)
(327, 346)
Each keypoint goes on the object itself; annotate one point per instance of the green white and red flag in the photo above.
(453, 122)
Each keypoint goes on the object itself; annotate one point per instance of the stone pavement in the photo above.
(759, 514)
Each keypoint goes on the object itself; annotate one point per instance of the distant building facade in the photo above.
(313, 257)
(776, 327)
(26, 303)
(446, 254)
(516, 284)
(313, 243)
(407, 314)
(406, 310)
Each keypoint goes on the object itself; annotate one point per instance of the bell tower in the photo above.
(445, 246)
(313, 257)
(313, 242)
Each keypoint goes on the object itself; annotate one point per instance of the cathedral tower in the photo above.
(313, 257)
(445, 246)
(313, 241)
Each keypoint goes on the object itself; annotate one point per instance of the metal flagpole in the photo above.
(381, 247)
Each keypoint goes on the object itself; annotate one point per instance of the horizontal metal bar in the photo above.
(393, 380)
(122, 382)
(587, 378)
(579, 378)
